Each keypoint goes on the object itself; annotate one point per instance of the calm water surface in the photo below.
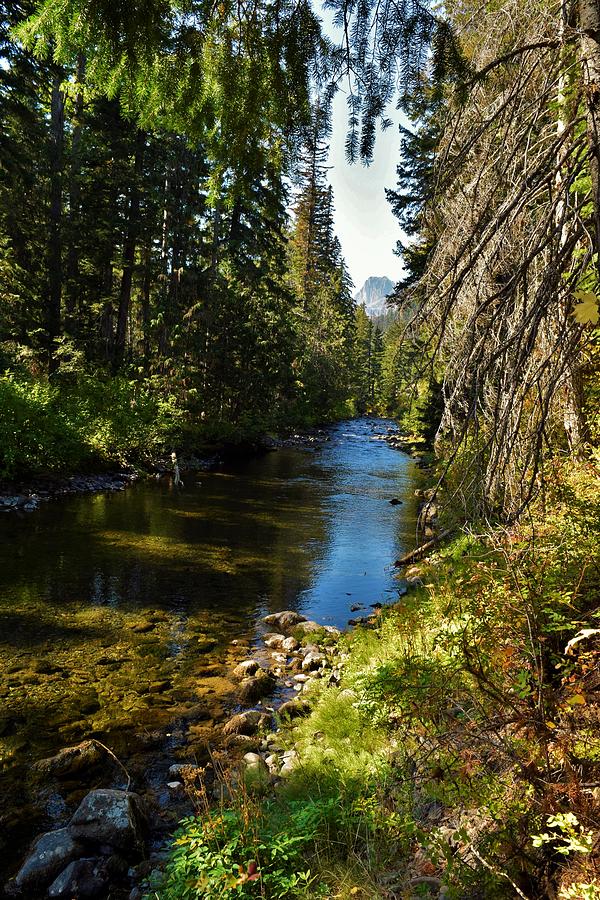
(118, 611)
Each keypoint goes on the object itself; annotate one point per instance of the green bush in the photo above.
(88, 422)
(247, 851)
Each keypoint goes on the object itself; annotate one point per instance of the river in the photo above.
(122, 614)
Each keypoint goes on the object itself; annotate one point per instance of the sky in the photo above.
(363, 218)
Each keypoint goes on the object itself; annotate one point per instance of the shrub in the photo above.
(80, 423)
(247, 851)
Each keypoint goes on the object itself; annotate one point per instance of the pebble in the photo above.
(175, 786)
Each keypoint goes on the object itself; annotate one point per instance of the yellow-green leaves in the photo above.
(588, 308)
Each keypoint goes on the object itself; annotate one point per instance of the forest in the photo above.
(171, 280)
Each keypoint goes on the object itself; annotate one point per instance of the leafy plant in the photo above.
(569, 836)
(246, 852)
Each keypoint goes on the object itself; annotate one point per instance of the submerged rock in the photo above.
(185, 770)
(70, 760)
(143, 627)
(246, 723)
(205, 645)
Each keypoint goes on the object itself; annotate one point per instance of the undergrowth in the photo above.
(87, 420)
(80, 423)
(459, 753)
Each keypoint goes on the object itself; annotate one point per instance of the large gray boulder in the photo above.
(110, 817)
(48, 855)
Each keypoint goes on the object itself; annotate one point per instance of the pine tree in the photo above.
(416, 181)
(321, 284)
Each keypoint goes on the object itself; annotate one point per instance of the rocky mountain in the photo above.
(373, 294)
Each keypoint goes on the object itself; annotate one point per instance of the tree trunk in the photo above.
(589, 47)
(129, 247)
(72, 284)
(573, 418)
(146, 285)
(57, 115)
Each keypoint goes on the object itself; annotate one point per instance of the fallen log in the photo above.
(420, 551)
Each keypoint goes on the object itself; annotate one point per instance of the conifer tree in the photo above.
(320, 281)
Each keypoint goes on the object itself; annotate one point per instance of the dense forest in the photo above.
(171, 278)
(164, 278)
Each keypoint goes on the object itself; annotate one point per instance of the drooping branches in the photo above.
(514, 230)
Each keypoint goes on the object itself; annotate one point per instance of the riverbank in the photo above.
(457, 755)
(94, 436)
(24, 495)
(89, 427)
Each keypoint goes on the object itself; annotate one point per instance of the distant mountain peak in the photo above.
(373, 294)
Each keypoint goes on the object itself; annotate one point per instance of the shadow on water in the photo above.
(118, 611)
(26, 630)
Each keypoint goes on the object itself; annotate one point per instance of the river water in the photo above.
(122, 614)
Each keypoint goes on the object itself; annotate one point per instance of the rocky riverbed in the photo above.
(111, 842)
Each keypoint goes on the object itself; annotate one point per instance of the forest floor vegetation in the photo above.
(459, 756)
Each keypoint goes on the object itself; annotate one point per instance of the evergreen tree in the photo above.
(321, 284)
(415, 187)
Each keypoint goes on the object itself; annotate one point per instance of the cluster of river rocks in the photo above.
(271, 692)
(38, 492)
(291, 664)
(100, 852)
